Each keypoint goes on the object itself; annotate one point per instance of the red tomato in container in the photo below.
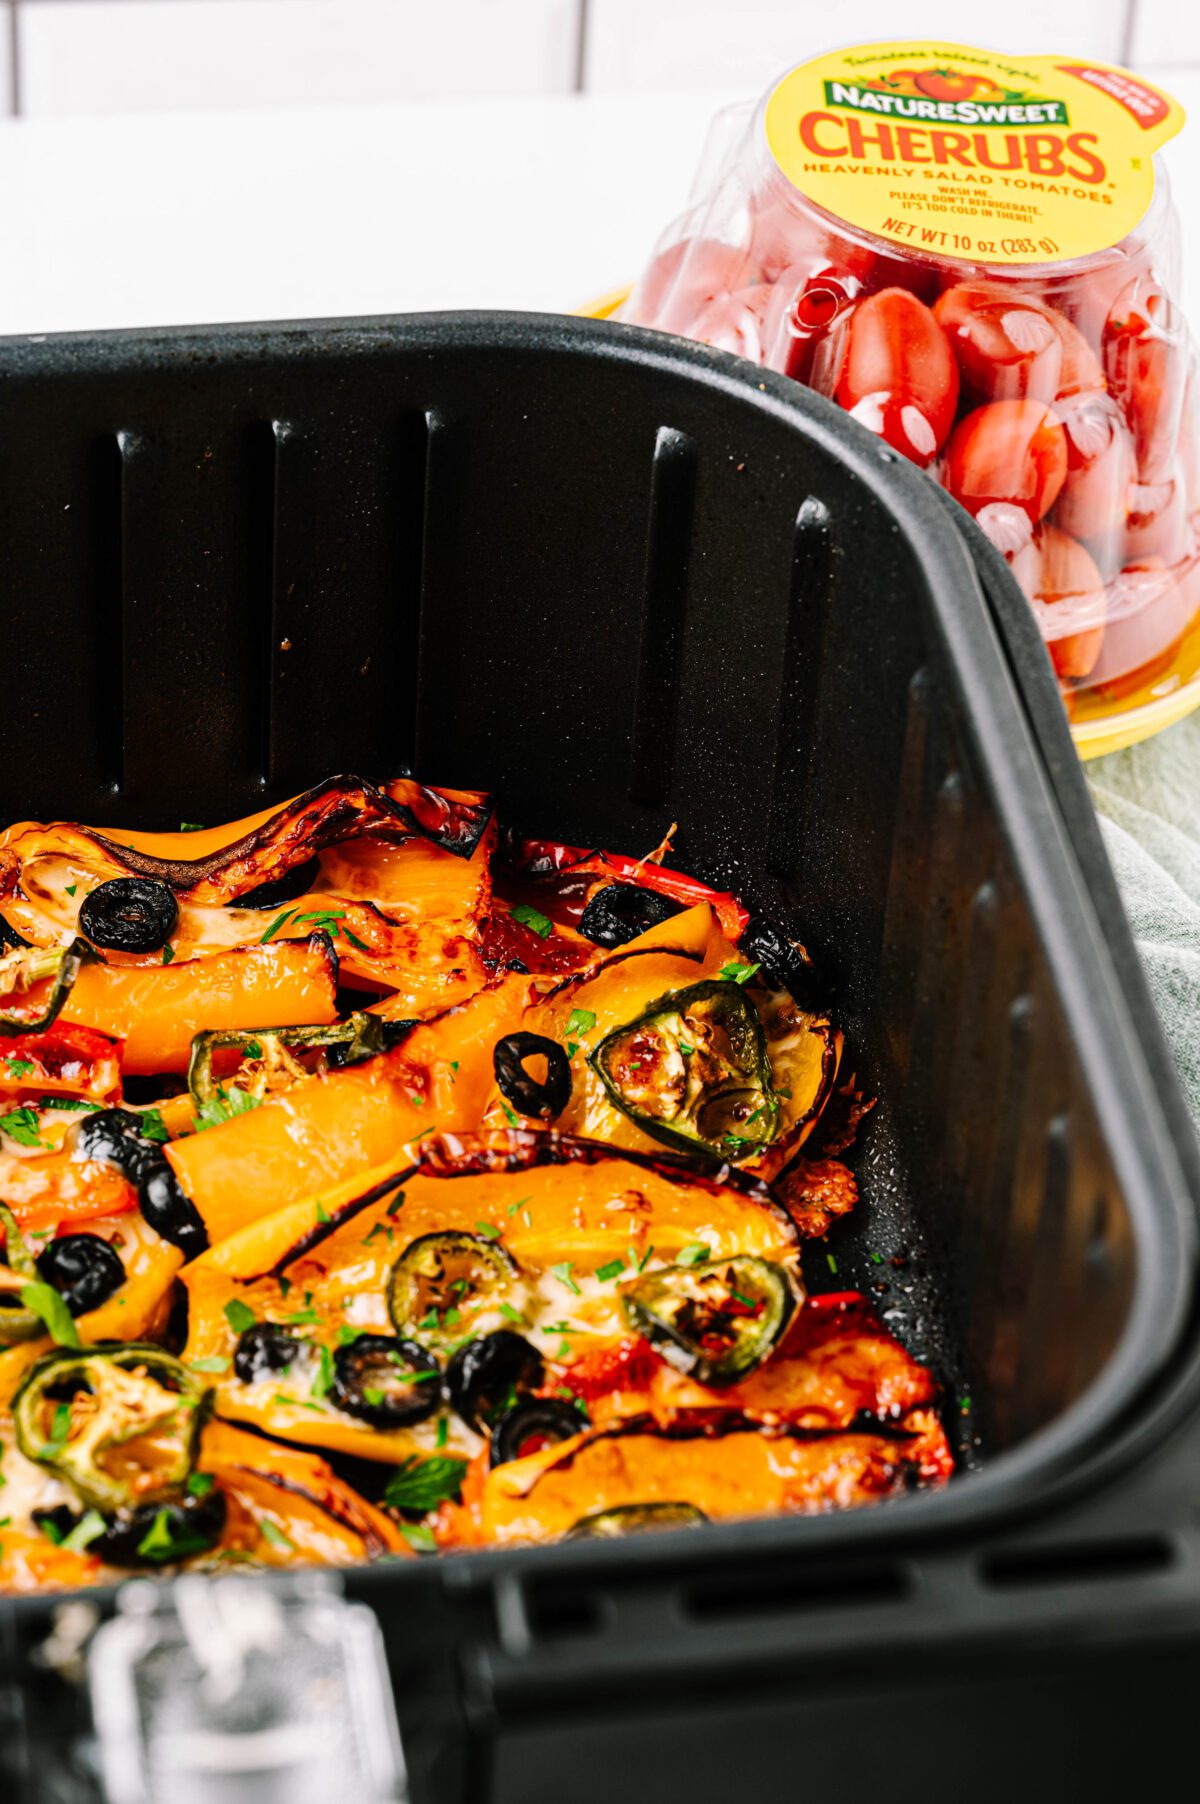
(898, 376)
(1060, 574)
(734, 322)
(1101, 466)
(1081, 369)
(808, 305)
(1145, 360)
(1007, 344)
(683, 279)
(1156, 520)
(1150, 609)
(1014, 451)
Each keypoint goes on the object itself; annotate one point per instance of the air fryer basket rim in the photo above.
(1040, 797)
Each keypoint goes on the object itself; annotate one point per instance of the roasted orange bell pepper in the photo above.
(315, 1517)
(157, 1009)
(734, 1472)
(329, 1129)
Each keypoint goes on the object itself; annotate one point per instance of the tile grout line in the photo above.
(14, 61)
(582, 22)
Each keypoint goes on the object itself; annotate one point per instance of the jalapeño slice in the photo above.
(635, 1519)
(442, 1282)
(17, 1322)
(119, 1423)
(693, 1072)
(716, 1321)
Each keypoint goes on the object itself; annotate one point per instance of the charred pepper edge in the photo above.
(357, 807)
(64, 968)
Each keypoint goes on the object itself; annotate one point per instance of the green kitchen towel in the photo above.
(1148, 799)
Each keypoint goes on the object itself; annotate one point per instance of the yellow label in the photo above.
(966, 153)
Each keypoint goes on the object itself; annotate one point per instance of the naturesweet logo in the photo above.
(946, 96)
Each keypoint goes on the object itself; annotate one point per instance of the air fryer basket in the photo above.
(623, 581)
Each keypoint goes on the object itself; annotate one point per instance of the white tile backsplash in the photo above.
(1165, 32)
(125, 56)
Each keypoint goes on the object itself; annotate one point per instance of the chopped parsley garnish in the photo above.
(346, 1334)
(508, 1114)
(736, 973)
(323, 1215)
(67, 1102)
(71, 888)
(644, 1261)
(153, 1125)
(275, 1536)
(533, 919)
(224, 1106)
(510, 1314)
(212, 1363)
(85, 1531)
(301, 1318)
(563, 1274)
(323, 1382)
(419, 1537)
(443, 1431)
(419, 1485)
(276, 925)
(199, 1484)
(831, 1262)
(21, 1125)
(168, 953)
(19, 1068)
(191, 826)
(693, 1255)
(239, 1315)
(488, 1231)
(44, 1302)
(397, 1203)
(359, 945)
(581, 1021)
(613, 1269)
(60, 1430)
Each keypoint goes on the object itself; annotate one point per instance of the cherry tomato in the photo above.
(1081, 369)
(1156, 520)
(1101, 465)
(1007, 451)
(682, 280)
(1007, 344)
(1145, 360)
(808, 303)
(734, 322)
(898, 376)
(1008, 526)
(1150, 609)
(1060, 574)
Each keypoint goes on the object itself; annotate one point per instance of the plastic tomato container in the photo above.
(968, 310)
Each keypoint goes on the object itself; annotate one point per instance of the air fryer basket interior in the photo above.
(624, 583)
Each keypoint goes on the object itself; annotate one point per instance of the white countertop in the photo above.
(525, 203)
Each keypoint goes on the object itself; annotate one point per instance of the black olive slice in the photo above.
(764, 943)
(619, 912)
(528, 1427)
(161, 1534)
(116, 1137)
(441, 1280)
(635, 1519)
(83, 1268)
(490, 1373)
(168, 1210)
(525, 1093)
(385, 1381)
(10, 939)
(129, 914)
(264, 1348)
(293, 884)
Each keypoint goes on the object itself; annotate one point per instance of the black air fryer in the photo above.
(621, 580)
